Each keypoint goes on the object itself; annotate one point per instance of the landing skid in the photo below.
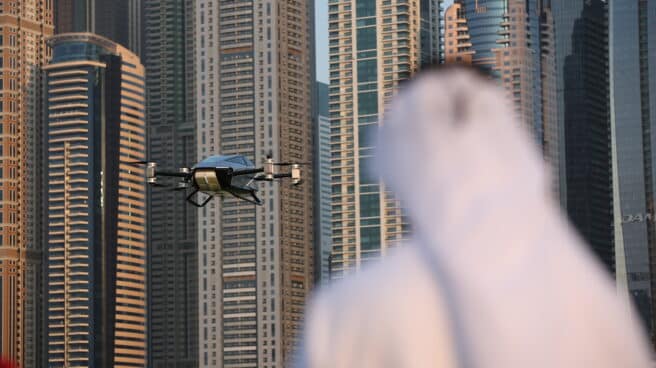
(199, 205)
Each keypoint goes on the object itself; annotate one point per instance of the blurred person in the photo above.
(494, 275)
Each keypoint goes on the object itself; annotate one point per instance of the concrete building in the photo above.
(255, 90)
(632, 35)
(374, 46)
(581, 40)
(96, 215)
(117, 20)
(24, 28)
(173, 253)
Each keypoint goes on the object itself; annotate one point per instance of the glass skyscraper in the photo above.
(96, 204)
(581, 40)
(633, 122)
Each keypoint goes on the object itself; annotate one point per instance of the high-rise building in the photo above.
(581, 40)
(173, 254)
(72, 15)
(374, 46)
(322, 233)
(24, 28)
(255, 90)
(553, 132)
(513, 41)
(632, 34)
(117, 20)
(96, 214)
(457, 41)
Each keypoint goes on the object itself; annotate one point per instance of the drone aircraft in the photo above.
(223, 174)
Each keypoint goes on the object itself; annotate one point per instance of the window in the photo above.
(366, 38)
(367, 103)
(370, 238)
(367, 71)
(365, 8)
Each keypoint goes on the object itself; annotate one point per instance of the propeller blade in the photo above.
(167, 187)
(291, 163)
(135, 162)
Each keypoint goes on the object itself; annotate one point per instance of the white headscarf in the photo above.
(494, 276)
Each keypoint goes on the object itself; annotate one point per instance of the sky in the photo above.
(321, 40)
(321, 24)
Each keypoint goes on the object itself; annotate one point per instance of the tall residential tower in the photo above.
(96, 214)
(24, 28)
(374, 46)
(322, 233)
(254, 91)
(173, 252)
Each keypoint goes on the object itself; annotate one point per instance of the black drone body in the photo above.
(223, 174)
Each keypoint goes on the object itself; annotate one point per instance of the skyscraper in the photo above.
(117, 20)
(632, 35)
(24, 28)
(72, 15)
(513, 41)
(322, 233)
(96, 204)
(173, 253)
(255, 86)
(457, 41)
(374, 46)
(581, 40)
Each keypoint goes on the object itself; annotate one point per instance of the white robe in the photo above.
(494, 276)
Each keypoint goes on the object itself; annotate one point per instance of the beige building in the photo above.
(254, 98)
(375, 45)
(513, 40)
(24, 28)
(96, 215)
(457, 41)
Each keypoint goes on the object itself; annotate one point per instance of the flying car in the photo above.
(221, 175)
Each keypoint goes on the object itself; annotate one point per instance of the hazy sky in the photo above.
(321, 19)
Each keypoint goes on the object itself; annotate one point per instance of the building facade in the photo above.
(581, 40)
(72, 16)
(173, 252)
(96, 214)
(457, 40)
(513, 41)
(322, 233)
(117, 20)
(24, 28)
(374, 46)
(632, 34)
(255, 90)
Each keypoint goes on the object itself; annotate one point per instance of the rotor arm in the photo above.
(175, 174)
(248, 172)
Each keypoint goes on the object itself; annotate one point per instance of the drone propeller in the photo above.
(135, 162)
(292, 163)
(167, 187)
